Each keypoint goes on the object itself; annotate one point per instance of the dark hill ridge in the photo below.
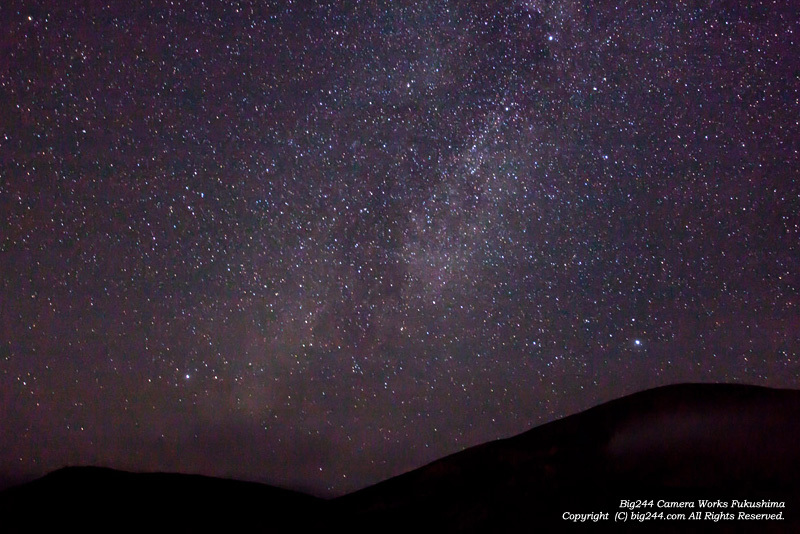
(676, 443)
(98, 499)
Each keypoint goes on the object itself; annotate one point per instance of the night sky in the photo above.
(319, 244)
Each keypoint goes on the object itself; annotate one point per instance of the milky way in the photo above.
(319, 245)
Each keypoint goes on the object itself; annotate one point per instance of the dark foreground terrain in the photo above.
(673, 446)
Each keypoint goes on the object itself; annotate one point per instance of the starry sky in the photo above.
(318, 244)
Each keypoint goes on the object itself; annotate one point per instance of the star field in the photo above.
(320, 244)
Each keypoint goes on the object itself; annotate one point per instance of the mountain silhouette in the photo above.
(94, 499)
(676, 444)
